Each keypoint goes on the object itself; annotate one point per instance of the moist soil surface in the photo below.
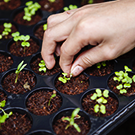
(3, 96)
(26, 81)
(75, 85)
(104, 70)
(59, 127)
(37, 103)
(51, 6)
(12, 4)
(39, 32)
(88, 106)
(16, 49)
(34, 19)
(112, 85)
(16, 124)
(35, 66)
(5, 62)
(13, 29)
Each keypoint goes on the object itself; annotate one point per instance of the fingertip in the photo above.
(76, 70)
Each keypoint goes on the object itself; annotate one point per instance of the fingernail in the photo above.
(77, 70)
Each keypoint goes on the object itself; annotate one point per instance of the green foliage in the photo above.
(99, 97)
(42, 66)
(70, 7)
(30, 10)
(64, 79)
(51, 0)
(7, 30)
(74, 115)
(5, 115)
(90, 1)
(6, 1)
(53, 95)
(101, 64)
(19, 69)
(124, 80)
(45, 26)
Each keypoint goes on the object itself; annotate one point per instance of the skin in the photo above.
(109, 26)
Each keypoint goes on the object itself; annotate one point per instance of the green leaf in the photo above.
(127, 69)
(66, 118)
(45, 26)
(99, 92)
(103, 109)
(2, 103)
(7, 25)
(65, 8)
(42, 69)
(27, 44)
(0, 36)
(75, 112)
(3, 118)
(6, 1)
(98, 65)
(51, 0)
(4, 33)
(120, 86)
(29, 3)
(96, 108)
(72, 7)
(106, 93)
(133, 78)
(15, 34)
(90, 1)
(94, 96)
(7, 29)
(103, 63)
(77, 127)
(62, 80)
(127, 85)
(100, 100)
(64, 74)
(123, 91)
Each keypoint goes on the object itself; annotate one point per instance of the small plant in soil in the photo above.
(74, 116)
(19, 69)
(64, 79)
(103, 63)
(70, 7)
(53, 95)
(124, 80)
(42, 66)
(16, 36)
(30, 10)
(7, 29)
(45, 26)
(5, 115)
(99, 97)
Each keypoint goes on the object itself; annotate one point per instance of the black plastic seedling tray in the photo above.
(43, 124)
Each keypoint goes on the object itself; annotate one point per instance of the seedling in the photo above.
(5, 115)
(64, 79)
(90, 1)
(101, 64)
(99, 97)
(19, 69)
(45, 26)
(51, 0)
(53, 95)
(74, 116)
(7, 29)
(16, 37)
(70, 7)
(124, 80)
(42, 66)
(30, 10)
(6, 1)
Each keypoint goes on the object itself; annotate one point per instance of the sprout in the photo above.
(90, 1)
(16, 36)
(71, 120)
(64, 79)
(101, 64)
(45, 26)
(19, 69)
(99, 97)
(5, 115)
(124, 80)
(53, 95)
(70, 7)
(42, 66)
(6, 1)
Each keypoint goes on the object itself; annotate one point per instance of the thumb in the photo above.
(90, 57)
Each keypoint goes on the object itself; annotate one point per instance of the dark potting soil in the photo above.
(16, 124)
(59, 127)
(88, 106)
(51, 6)
(104, 70)
(112, 85)
(34, 19)
(3, 96)
(38, 101)
(39, 32)
(16, 49)
(13, 29)
(12, 4)
(35, 67)
(75, 85)
(5, 62)
(26, 81)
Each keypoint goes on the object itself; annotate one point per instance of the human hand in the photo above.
(108, 26)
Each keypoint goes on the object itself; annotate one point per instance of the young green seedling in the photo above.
(64, 79)
(124, 80)
(42, 66)
(45, 26)
(6, 1)
(51, 0)
(5, 115)
(70, 7)
(90, 1)
(101, 64)
(30, 10)
(16, 36)
(7, 29)
(19, 69)
(99, 97)
(74, 116)
(53, 95)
